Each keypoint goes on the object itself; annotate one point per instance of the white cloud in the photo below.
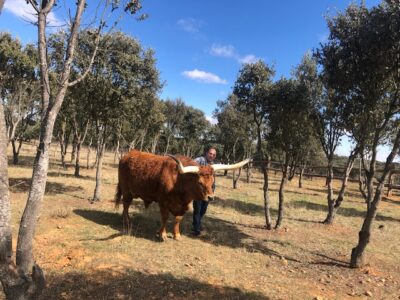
(190, 24)
(224, 51)
(25, 11)
(212, 120)
(204, 77)
(229, 51)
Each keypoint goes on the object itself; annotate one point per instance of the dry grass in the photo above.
(85, 256)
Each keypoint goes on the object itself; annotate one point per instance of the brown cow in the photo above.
(170, 181)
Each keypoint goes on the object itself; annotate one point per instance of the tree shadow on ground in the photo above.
(348, 193)
(22, 185)
(242, 207)
(132, 284)
(391, 201)
(343, 211)
(329, 261)
(111, 165)
(146, 224)
(60, 174)
(228, 234)
(23, 161)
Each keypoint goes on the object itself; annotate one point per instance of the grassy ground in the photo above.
(84, 255)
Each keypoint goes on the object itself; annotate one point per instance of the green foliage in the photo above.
(236, 131)
(360, 65)
(289, 117)
(18, 85)
(252, 88)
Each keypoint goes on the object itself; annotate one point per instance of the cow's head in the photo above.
(204, 175)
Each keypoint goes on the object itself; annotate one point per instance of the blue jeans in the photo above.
(199, 210)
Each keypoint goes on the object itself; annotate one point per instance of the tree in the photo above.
(174, 111)
(122, 87)
(361, 63)
(290, 128)
(15, 284)
(18, 89)
(192, 131)
(25, 280)
(236, 132)
(252, 87)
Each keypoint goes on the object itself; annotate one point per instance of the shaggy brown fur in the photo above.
(155, 178)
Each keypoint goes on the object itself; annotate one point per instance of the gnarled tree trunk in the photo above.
(357, 253)
(267, 205)
(16, 283)
(282, 186)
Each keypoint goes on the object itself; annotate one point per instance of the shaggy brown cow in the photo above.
(170, 181)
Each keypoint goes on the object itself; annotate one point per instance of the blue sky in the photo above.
(200, 45)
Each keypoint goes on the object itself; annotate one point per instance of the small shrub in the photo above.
(61, 212)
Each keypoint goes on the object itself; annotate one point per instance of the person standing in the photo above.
(200, 206)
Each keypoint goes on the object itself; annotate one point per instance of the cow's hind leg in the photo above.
(164, 218)
(177, 234)
(126, 222)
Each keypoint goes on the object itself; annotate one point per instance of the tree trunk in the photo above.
(236, 179)
(16, 149)
(282, 196)
(73, 153)
(248, 173)
(167, 146)
(36, 193)
(331, 201)
(361, 182)
(79, 141)
(97, 189)
(96, 162)
(88, 153)
(390, 182)
(77, 159)
(357, 253)
(50, 110)
(55, 150)
(349, 167)
(16, 283)
(301, 176)
(116, 153)
(142, 139)
(267, 213)
(5, 209)
(155, 143)
(61, 140)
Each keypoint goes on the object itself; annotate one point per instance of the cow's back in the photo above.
(146, 175)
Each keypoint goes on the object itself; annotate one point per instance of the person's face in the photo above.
(211, 155)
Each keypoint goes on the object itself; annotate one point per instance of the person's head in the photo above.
(211, 154)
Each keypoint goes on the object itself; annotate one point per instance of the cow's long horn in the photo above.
(238, 165)
(182, 169)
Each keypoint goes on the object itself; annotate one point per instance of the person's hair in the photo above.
(209, 147)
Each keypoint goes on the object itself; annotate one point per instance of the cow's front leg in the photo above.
(177, 233)
(164, 219)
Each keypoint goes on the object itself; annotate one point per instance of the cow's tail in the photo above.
(118, 196)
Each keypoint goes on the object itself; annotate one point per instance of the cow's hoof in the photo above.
(177, 237)
(163, 237)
